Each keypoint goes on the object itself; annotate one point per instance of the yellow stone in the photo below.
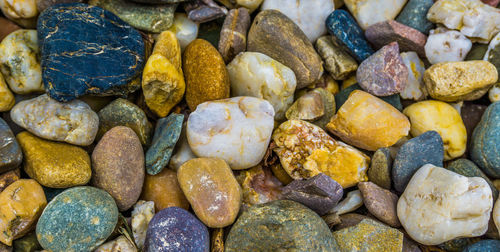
(443, 118)
(464, 80)
(21, 203)
(164, 190)
(368, 122)
(305, 150)
(349, 81)
(6, 97)
(54, 164)
(168, 46)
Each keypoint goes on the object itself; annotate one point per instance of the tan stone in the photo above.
(164, 190)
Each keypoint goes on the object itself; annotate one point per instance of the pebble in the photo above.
(175, 229)
(295, 50)
(7, 100)
(202, 11)
(44, 4)
(380, 202)
(59, 35)
(121, 244)
(439, 205)
(467, 168)
(53, 164)
(442, 118)
(457, 244)
(185, 30)
(492, 54)
(484, 146)
(415, 87)
(212, 190)
(258, 186)
(20, 61)
(306, 150)
(381, 168)
(383, 73)
(483, 246)
(471, 116)
(7, 178)
(343, 95)
(27, 243)
(280, 225)
(446, 45)
(426, 148)
(10, 151)
(494, 93)
(237, 130)
(164, 190)
(258, 75)
(336, 62)
(308, 107)
(233, 35)
(73, 122)
(167, 132)
(7, 27)
(78, 219)
(369, 12)
(414, 15)
(21, 203)
(496, 215)
(141, 216)
(182, 151)
(19, 9)
(352, 202)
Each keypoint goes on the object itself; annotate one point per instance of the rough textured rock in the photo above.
(259, 186)
(167, 132)
(164, 190)
(233, 36)
(380, 202)
(185, 30)
(141, 216)
(485, 138)
(380, 168)
(11, 152)
(368, 12)
(337, 62)
(415, 88)
(467, 168)
(414, 15)
(446, 45)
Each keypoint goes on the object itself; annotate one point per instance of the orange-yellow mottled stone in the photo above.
(205, 73)
(164, 190)
(368, 122)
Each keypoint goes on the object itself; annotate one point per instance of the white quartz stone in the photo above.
(258, 75)
(368, 12)
(120, 244)
(237, 130)
(415, 88)
(309, 15)
(141, 216)
(446, 45)
(182, 152)
(353, 201)
(493, 43)
(16, 9)
(439, 205)
(73, 122)
(494, 93)
(185, 30)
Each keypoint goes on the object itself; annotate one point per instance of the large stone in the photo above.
(233, 35)
(164, 190)
(10, 151)
(446, 45)
(485, 139)
(414, 15)
(415, 88)
(167, 132)
(337, 62)
(368, 12)
(467, 168)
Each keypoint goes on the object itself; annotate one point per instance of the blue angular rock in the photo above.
(348, 35)
(167, 132)
(414, 15)
(341, 97)
(86, 50)
(11, 155)
(486, 141)
(484, 246)
(175, 229)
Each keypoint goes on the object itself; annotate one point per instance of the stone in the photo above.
(78, 219)
(380, 202)
(53, 164)
(206, 76)
(369, 235)
(351, 219)
(343, 95)
(121, 244)
(383, 73)
(381, 168)
(237, 130)
(347, 35)
(7, 27)
(150, 18)
(7, 100)
(471, 115)
(159, 1)
(21, 203)
(337, 62)
(439, 205)
(44, 4)
(308, 107)
(10, 151)
(118, 166)
(305, 150)
(493, 3)
(442, 118)
(280, 225)
(329, 107)
(141, 216)
(352, 202)
(212, 190)
(8, 178)
(233, 36)
(494, 93)
(426, 148)
(446, 45)
(415, 87)
(483, 245)
(467, 168)
(369, 12)
(496, 214)
(477, 52)
(258, 186)
(167, 132)
(73, 122)
(492, 54)
(182, 151)
(164, 190)
(202, 11)
(175, 229)
(185, 30)
(121, 112)
(484, 146)
(121, 51)
(414, 15)
(271, 28)
(310, 16)
(354, 122)
(281, 174)
(258, 75)
(19, 9)
(27, 243)
(20, 61)
(457, 244)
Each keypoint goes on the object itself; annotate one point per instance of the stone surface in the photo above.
(7, 178)
(384, 72)
(52, 164)
(467, 168)
(233, 36)
(18, 10)
(446, 45)
(185, 30)
(492, 54)
(483, 245)
(258, 75)
(414, 15)
(337, 62)
(477, 51)
(484, 150)
(329, 107)
(27, 243)
(164, 190)
(182, 151)
(10, 151)
(121, 51)
(305, 150)
(415, 87)
(380, 202)
(439, 205)
(121, 244)
(271, 28)
(202, 11)
(7, 27)
(343, 95)
(44, 4)
(167, 133)
(308, 107)
(280, 225)
(494, 93)
(380, 168)
(369, 12)
(352, 202)
(258, 186)
(7, 100)
(237, 130)
(496, 215)
(141, 216)
(471, 115)
(212, 190)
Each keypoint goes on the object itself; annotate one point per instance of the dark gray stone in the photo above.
(11, 154)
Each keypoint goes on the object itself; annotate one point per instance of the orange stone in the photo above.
(163, 189)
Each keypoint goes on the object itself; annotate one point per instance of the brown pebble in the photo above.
(380, 202)
(8, 178)
(233, 36)
(164, 190)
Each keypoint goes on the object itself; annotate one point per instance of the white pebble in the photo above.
(446, 45)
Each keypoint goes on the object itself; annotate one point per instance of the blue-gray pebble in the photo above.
(11, 155)
(485, 141)
(484, 246)
(414, 15)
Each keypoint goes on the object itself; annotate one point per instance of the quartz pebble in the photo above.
(10, 151)
(337, 62)
(185, 30)
(494, 93)
(164, 190)
(353, 201)
(233, 35)
(19, 9)
(446, 45)
(380, 202)
(415, 87)
(369, 12)
(141, 216)
(484, 147)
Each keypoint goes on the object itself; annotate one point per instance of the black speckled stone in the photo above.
(342, 96)
(167, 132)
(467, 168)
(175, 229)
(484, 246)
(11, 155)
(86, 50)
(424, 149)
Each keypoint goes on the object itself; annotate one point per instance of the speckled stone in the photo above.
(280, 225)
(233, 36)
(175, 229)
(380, 168)
(484, 246)
(167, 132)
(380, 202)
(467, 168)
(342, 96)
(10, 151)
(44, 4)
(78, 219)
(485, 139)
(59, 35)
(414, 15)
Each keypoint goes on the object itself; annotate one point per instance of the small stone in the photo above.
(212, 190)
(439, 205)
(415, 88)
(44, 4)
(19, 9)
(8, 178)
(6, 97)
(121, 244)
(338, 63)
(159, 1)
(443, 118)
(21, 203)
(384, 72)
(328, 107)
(351, 219)
(477, 52)
(343, 95)
(233, 36)
(7, 27)
(175, 229)
(10, 151)
(380, 168)
(492, 54)
(27, 243)
(164, 190)
(259, 186)
(141, 216)
(496, 214)
(467, 168)
(494, 93)
(485, 139)
(78, 219)
(369, 12)
(167, 133)
(202, 11)
(352, 202)
(455, 245)
(308, 107)
(182, 151)
(426, 148)
(295, 50)
(483, 245)
(281, 174)
(446, 45)
(185, 30)
(471, 115)
(380, 202)
(52, 164)
(347, 35)
(414, 15)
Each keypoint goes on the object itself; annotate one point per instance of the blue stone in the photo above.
(348, 35)
(341, 97)
(11, 155)
(414, 15)
(424, 149)
(467, 168)
(485, 141)
(167, 132)
(484, 246)
(86, 50)
(175, 229)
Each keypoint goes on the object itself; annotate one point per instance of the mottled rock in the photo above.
(369, 12)
(10, 151)
(259, 186)
(446, 45)
(185, 30)
(164, 190)
(483, 245)
(121, 244)
(485, 138)
(414, 15)
(380, 202)
(337, 62)
(7, 100)
(380, 168)
(233, 36)
(467, 168)
(343, 95)
(167, 133)
(141, 216)
(415, 88)
(352, 202)
(8, 178)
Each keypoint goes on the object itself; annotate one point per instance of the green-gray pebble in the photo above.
(467, 168)
(380, 168)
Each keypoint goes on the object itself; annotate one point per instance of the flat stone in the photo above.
(233, 36)
(185, 30)
(446, 45)
(167, 133)
(259, 186)
(164, 190)
(342, 96)
(467, 168)
(415, 87)
(352, 202)
(414, 15)
(41, 5)
(7, 100)
(8, 178)
(380, 202)
(483, 245)
(11, 153)
(380, 168)
(484, 150)
(337, 62)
